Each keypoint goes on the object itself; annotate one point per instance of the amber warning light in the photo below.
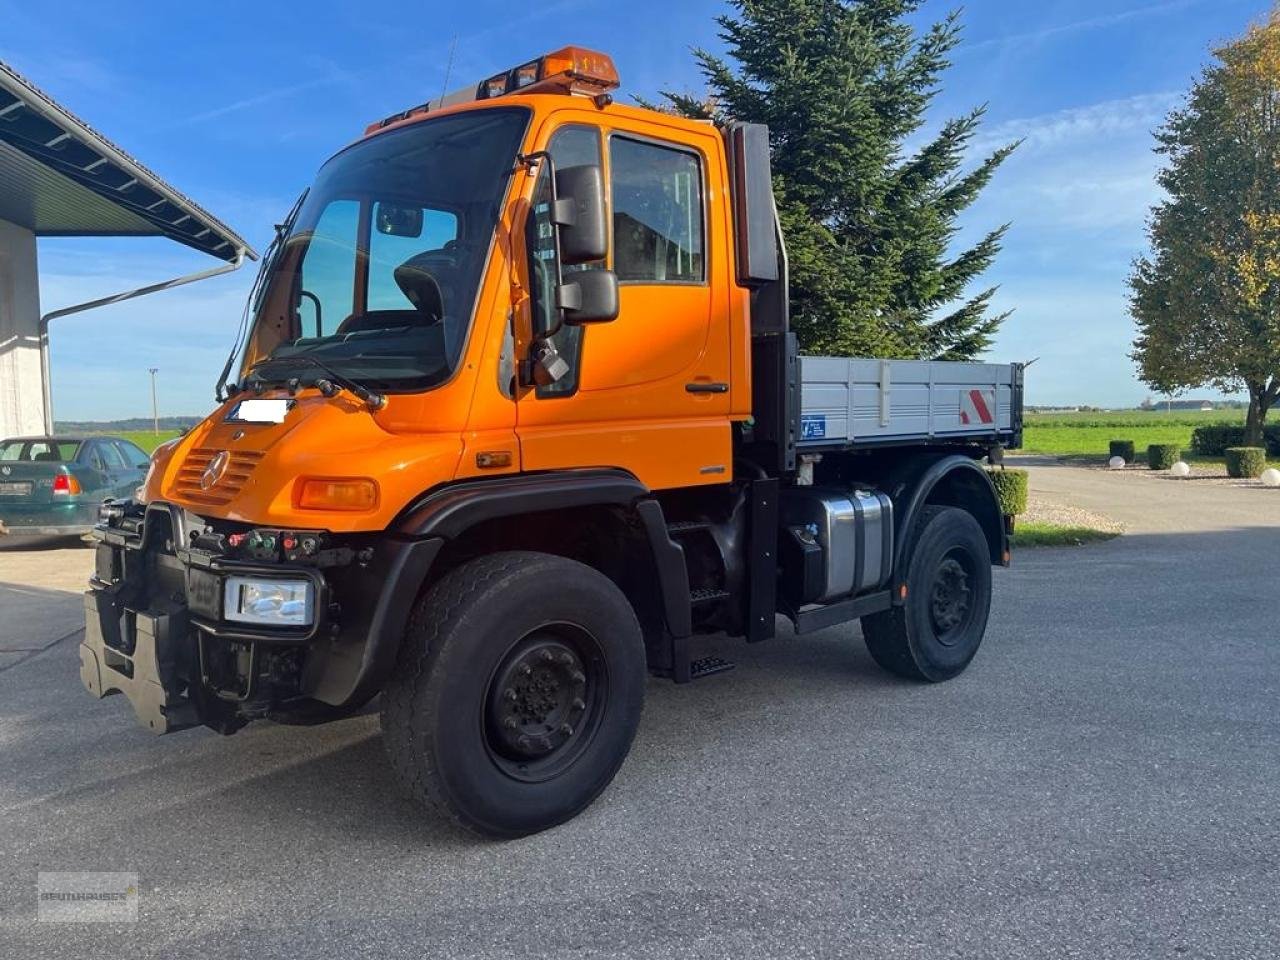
(569, 70)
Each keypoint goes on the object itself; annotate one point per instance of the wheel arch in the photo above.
(950, 481)
(603, 518)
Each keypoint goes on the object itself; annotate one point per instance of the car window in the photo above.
(111, 456)
(91, 453)
(133, 455)
(657, 213)
(36, 451)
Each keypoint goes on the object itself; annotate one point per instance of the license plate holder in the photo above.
(15, 488)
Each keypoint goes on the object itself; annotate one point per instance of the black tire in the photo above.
(935, 634)
(501, 750)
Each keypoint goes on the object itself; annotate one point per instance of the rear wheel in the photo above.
(518, 692)
(939, 628)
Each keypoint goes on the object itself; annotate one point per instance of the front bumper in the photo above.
(150, 674)
(155, 629)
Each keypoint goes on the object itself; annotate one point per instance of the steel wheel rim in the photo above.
(544, 702)
(951, 605)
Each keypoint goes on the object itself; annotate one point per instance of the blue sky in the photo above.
(238, 104)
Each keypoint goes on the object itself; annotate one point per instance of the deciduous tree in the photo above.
(1207, 298)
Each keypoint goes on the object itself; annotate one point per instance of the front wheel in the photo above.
(517, 694)
(939, 628)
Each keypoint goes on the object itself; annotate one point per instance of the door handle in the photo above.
(705, 386)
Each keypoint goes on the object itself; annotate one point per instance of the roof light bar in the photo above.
(569, 70)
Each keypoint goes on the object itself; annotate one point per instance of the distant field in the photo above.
(147, 440)
(1088, 434)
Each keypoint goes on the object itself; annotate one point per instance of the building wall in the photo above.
(21, 385)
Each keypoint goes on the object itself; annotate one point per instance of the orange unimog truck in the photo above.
(517, 422)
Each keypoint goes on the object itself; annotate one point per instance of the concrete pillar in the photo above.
(21, 384)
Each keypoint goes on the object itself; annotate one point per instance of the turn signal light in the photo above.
(336, 493)
(67, 485)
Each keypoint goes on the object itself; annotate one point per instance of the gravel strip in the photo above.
(1042, 510)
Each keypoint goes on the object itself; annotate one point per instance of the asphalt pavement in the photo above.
(1103, 782)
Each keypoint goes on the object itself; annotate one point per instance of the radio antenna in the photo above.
(448, 68)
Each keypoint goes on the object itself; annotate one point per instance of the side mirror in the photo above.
(589, 296)
(580, 215)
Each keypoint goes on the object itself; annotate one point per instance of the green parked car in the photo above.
(52, 486)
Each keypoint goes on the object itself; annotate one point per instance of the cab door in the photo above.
(647, 392)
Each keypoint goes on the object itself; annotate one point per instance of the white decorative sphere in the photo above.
(1180, 469)
(1270, 477)
(1116, 463)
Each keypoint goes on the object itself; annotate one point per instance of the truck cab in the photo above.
(517, 419)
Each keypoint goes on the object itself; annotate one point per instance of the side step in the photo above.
(706, 666)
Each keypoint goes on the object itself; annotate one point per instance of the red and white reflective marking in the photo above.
(977, 406)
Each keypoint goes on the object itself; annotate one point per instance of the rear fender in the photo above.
(954, 481)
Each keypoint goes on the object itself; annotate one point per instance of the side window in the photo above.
(111, 456)
(91, 454)
(327, 273)
(399, 234)
(657, 213)
(570, 147)
(133, 456)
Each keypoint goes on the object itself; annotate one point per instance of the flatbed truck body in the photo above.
(518, 420)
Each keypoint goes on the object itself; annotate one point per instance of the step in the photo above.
(706, 666)
(682, 527)
(707, 595)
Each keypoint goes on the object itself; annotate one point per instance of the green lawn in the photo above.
(1053, 535)
(1088, 434)
(147, 440)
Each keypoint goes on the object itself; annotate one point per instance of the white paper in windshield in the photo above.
(259, 411)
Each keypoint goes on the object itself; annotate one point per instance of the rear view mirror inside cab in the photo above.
(399, 221)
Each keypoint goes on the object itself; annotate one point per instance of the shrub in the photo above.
(1122, 449)
(1245, 462)
(1212, 439)
(1162, 456)
(1011, 489)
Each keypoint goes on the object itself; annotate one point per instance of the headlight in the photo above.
(284, 603)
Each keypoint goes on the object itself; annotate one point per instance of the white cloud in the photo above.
(1102, 121)
(1078, 26)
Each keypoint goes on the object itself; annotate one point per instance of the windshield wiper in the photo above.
(329, 387)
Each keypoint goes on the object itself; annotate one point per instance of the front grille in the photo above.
(187, 484)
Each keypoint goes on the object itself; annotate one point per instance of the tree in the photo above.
(1206, 299)
(843, 85)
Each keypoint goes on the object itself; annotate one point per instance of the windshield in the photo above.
(378, 275)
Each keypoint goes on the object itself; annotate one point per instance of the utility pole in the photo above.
(155, 410)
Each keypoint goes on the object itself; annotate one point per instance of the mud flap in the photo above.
(148, 673)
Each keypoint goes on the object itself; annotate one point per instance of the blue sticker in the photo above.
(813, 426)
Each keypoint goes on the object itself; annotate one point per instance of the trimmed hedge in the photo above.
(1122, 449)
(1011, 489)
(1245, 462)
(1162, 456)
(1212, 439)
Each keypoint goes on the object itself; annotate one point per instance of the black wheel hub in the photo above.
(537, 699)
(951, 600)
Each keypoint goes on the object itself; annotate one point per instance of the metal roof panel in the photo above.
(59, 177)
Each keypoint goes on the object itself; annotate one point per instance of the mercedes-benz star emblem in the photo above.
(215, 470)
